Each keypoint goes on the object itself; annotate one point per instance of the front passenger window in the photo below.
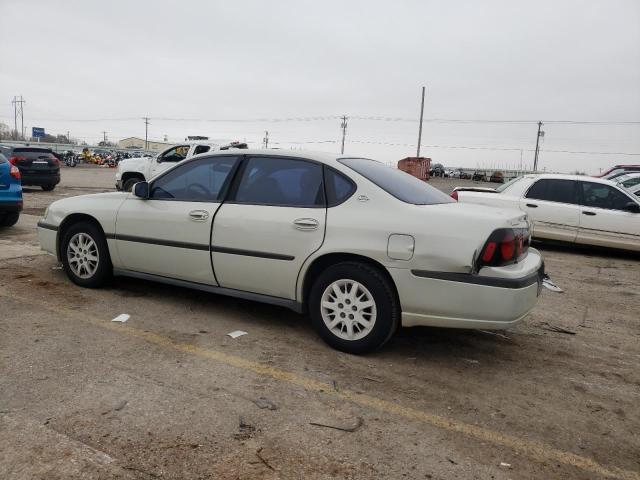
(599, 195)
(176, 154)
(196, 181)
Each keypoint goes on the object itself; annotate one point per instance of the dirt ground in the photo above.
(168, 395)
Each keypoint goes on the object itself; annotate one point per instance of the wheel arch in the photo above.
(72, 220)
(321, 263)
(129, 175)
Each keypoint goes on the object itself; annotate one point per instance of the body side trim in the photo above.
(480, 280)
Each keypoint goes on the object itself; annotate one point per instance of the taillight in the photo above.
(504, 247)
(14, 172)
(454, 195)
(13, 160)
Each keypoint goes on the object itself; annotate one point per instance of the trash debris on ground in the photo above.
(359, 423)
(470, 360)
(245, 430)
(123, 317)
(371, 379)
(335, 386)
(547, 283)
(263, 460)
(452, 461)
(57, 267)
(553, 328)
(264, 402)
(495, 334)
(505, 465)
(236, 334)
(117, 408)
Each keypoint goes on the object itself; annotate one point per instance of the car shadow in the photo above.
(585, 250)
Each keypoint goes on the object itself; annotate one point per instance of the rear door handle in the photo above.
(589, 213)
(532, 205)
(198, 215)
(306, 224)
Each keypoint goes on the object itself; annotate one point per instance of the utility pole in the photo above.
(535, 158)
(104, 138)
(420, 127)
(343, 125)
(265, 140)
(146, 133)
(18, 111)
(68, 137)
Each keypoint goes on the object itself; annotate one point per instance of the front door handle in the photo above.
(306, 224)
(532, 205)
(589, 213)
(198, 215)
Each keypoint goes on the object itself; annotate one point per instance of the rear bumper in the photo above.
(460, 300)
(10, 207)
(40, 179)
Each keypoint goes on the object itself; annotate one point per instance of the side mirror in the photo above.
(159, 159)
(632, 207)
(141, 190)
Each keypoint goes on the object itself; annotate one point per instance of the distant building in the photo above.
(416, 166)
(135, 142)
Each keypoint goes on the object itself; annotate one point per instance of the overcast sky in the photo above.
(100, 61)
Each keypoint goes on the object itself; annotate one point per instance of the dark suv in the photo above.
(38, 166)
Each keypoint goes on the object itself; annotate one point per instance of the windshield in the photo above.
(504, 186)
(401, 185)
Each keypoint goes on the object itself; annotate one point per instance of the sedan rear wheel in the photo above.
(353, 307)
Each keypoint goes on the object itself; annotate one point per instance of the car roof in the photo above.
(323, 157)
(563, 176)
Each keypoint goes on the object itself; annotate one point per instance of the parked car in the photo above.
(437, 170)
(635, 190)
(479, 176)
(569, 208)
(10, 193)
(38, 166)
(134, 170)
(497, 177)
(628, 180)
(461, 174)
(618, 170)
(343, 239)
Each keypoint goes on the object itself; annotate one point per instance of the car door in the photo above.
(552, 206)
(169, 233)
(272, 222)
(606, 218)
(168, 159)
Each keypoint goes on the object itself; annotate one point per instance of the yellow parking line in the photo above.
(534, 450)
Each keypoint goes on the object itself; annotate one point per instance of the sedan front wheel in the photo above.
(353, 307)
(85, 255)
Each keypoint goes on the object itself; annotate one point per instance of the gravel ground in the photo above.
(169, 395)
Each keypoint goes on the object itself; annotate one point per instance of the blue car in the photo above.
(10, 193)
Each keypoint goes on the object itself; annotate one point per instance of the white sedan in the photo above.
(569, 208)
(362, 247)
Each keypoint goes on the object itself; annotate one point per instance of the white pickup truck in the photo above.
(133, 170)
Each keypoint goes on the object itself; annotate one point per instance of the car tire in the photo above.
(48, 188)
(128, 185)
(365, 312)
(86, 261)
(9, 219)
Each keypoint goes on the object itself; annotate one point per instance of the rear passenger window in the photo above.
(282, 182)
(554, 190)
(339, 187)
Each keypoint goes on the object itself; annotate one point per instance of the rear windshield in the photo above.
(504, 186)
(31, 150)
(401, 185)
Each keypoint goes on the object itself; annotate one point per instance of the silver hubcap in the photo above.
(348, 309)
(82, 255)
